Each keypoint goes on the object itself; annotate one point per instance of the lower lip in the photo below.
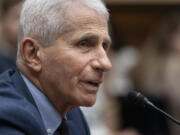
(90, 87)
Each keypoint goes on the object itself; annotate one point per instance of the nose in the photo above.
(102, 62)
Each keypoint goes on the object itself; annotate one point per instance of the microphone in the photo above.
(141, 100)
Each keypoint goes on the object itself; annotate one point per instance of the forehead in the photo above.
(83, 16)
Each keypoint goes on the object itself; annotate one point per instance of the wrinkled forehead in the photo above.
(79, 14)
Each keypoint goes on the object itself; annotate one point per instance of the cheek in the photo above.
(64, 69)
(69, 64)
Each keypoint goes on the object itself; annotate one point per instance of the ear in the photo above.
(30, 52)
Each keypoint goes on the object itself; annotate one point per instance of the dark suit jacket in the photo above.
(19, 114)
(6, 63)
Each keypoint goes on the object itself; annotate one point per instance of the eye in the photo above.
(86, 44)
(83, 43)
(106, 46)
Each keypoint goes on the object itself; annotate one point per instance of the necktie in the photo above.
(63, 129)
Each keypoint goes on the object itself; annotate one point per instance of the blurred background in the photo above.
(145, 55)
(9, 22)
(146, 58)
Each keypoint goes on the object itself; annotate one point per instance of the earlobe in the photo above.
(30, 52)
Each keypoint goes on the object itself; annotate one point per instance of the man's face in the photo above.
(73, 68)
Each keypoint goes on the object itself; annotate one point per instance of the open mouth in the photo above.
(93, 83)
(90, 85)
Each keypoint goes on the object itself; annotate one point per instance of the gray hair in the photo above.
(43, 20)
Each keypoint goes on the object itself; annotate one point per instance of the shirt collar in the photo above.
(50, 116)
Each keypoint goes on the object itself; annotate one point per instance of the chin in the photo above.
(89, 103)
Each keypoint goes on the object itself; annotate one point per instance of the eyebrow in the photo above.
(87, 35)
(91, 35)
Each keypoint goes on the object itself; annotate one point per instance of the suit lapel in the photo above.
(21, 88)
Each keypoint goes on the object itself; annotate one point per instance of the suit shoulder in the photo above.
(20, 115)
(16, 112)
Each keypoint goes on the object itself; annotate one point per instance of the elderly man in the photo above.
(62, 56)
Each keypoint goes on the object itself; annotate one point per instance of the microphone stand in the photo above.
(140, 99)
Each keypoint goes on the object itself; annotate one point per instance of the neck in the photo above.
(60, 103)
